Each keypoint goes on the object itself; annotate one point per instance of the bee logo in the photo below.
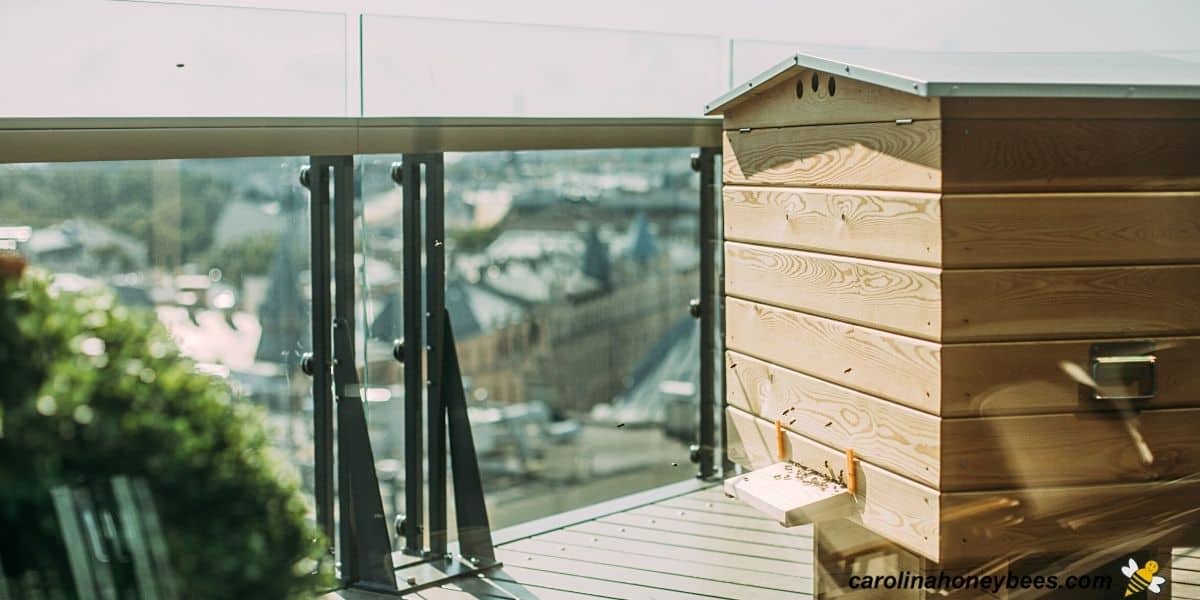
(1142, 579)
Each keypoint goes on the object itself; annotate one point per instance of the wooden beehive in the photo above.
(909, 261)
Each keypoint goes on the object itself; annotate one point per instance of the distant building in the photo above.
(86, 248)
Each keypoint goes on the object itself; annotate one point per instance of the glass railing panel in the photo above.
(568, 276)
(216, 250)
(98, 59)
(438, 67)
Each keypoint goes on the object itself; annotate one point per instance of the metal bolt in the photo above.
(398, 350)
(304, 178)
(694, 308)
(400, 526)
(398, 173)
(694, 453)
(306, 364)
(696, 163)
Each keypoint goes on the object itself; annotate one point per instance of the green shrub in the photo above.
(93, 390)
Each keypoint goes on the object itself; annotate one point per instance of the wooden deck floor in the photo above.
(1185, 573)
(697, 544)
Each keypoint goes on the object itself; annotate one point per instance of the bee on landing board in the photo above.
(1143, 578)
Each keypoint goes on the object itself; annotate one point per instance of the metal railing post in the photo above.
(711, 309)
(408, 175)
(319, 362)
(435, 304)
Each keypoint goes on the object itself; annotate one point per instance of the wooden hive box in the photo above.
(909, 261)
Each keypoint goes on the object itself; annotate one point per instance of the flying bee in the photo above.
(1143, 578)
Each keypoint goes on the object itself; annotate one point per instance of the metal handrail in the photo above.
(99, 139)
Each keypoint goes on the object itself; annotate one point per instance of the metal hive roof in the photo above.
(994, 74)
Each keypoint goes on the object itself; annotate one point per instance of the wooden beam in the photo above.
(903, 299)
(872, 156)
(1065, 449)
(1027, 304)
(898, 438)
(888, 225)
(1105, 228)
(1044, 155)
(959, 305)
(903, 369)
(1067, 108)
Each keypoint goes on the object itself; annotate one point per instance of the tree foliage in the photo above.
(93, 390)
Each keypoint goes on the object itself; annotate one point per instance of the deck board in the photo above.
(715, 549)
(695, 545)
(670, 540)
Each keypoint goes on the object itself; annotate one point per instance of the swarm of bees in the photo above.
(812, 477)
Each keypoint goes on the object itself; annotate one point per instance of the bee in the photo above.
(1143, 578)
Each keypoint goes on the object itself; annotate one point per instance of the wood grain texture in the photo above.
(899, 509)
(873, 156)
(988, 379)
(697, 556)
(1043, 155)
(1065, 449)
(890, 296)
(1073, 518)
(888, 225)
(895, 437)
(784, 539)
(895, 367)
(1067, 108)
(751, 581)
(854, 101)
(1025, 304)
(746, 547)
(982, 230)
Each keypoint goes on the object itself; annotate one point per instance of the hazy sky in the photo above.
(301, 57)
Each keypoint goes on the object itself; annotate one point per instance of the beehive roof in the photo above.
(993, 74)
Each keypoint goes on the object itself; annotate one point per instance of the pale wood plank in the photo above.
(897, 508)
(607, 582)
(1185, 591)
(889, 225)
(972, 304)
(1023, 304)
(684, 503)
(1187, 563)
(748, 525)
(1025, 378)
(1186, 568)
(903, 299)
(1043, 155)
(784, 576)
(441, 593)
(1065, 449)
(853, 102)
(502, 588)
(895, 367)
(995, 230)
(872, 155)
(1064, 519)
(697, 556)
(668, 540)
(669, 585)
(1067, 108)
(893, 436)
(715, 494)
(782, 539)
